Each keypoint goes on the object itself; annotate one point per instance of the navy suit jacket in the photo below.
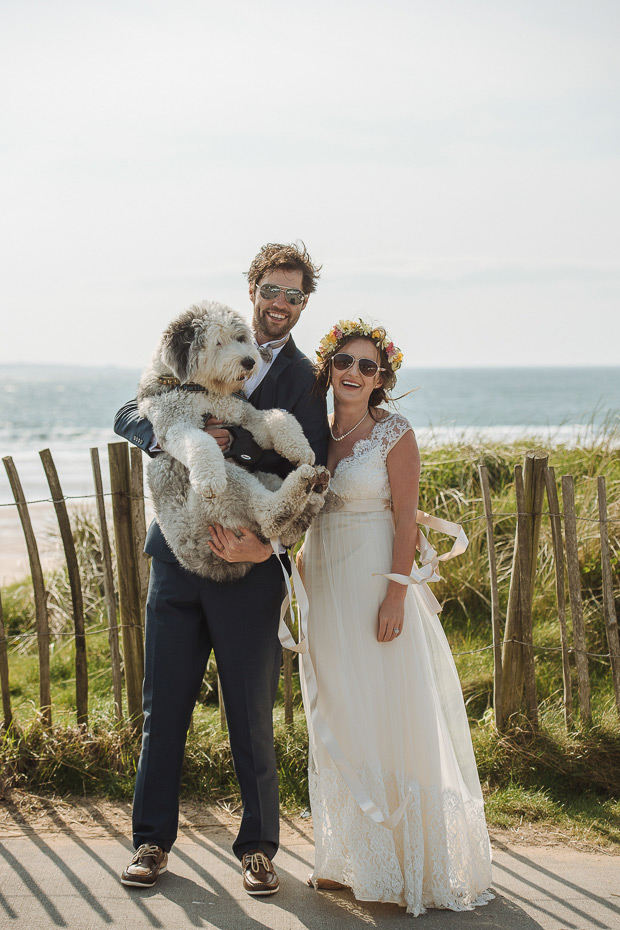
(287, 385)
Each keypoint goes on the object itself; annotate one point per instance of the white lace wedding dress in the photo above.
(396, 710)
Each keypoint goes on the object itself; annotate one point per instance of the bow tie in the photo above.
(266, 351)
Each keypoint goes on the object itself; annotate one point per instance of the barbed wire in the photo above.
(570, 649)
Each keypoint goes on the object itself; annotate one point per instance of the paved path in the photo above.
(68, 879)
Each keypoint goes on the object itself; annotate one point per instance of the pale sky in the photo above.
(453, 164)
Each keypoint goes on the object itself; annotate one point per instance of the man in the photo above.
(187, 616)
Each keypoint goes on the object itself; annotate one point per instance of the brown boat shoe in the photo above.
(145, 866)
(259, 875)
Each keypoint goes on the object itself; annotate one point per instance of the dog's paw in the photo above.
(209, 486)
(322, 477)
(306, 477)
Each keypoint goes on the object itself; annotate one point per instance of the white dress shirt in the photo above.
(255, 379)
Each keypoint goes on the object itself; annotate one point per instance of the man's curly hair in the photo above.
(293, 257)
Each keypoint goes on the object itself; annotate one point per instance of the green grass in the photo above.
(585, 820)
(101, 759)
(559, 783)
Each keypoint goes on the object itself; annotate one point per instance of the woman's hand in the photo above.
(391, 618)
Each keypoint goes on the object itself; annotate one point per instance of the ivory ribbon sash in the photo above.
(420, 576)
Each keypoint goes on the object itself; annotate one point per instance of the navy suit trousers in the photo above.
(186, 617)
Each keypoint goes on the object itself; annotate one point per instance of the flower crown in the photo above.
(360, 328)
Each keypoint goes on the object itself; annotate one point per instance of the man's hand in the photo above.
(232, 548)
(221, 436)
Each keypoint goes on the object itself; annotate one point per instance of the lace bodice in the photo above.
(363, 474)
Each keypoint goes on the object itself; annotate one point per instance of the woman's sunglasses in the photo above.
(292, 295)
(342, 361)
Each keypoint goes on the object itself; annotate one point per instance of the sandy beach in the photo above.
(14, 564)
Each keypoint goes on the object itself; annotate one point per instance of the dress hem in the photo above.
(480, 900)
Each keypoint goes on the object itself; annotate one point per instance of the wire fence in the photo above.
(14, 638)
(513, 647)
(471, 518)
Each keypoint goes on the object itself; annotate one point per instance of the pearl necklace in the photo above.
(344, 435)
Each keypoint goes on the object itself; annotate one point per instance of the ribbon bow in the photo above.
(429, 560)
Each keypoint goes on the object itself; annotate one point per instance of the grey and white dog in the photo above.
(197, 369)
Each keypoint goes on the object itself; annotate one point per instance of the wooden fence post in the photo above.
(4, 675)
(524, 533)
(129, 591)
(518, 659)
(64, 525)
(574, 590)
(139, 524)
(558, 561)
(108, 588)
(611, 622)
(40, 594)
(495, 625)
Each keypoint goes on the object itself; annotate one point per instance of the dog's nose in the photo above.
(248, 363)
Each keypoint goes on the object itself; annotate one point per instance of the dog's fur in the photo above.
(192, 485)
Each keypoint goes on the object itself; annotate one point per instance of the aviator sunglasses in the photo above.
(292, 295)
(342, 361)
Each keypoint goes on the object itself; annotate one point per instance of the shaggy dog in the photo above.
(196, 371)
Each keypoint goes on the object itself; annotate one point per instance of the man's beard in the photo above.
(272, 329)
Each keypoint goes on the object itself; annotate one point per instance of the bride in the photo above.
(396, 802)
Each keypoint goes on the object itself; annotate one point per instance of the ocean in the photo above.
(71, 409)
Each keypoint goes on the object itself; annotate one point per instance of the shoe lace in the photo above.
(147, 849)
(259, 859)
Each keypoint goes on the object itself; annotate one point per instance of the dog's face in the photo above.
(211, 345)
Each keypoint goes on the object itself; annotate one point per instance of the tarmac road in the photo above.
(62, 878)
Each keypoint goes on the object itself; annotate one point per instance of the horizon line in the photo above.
(497, 367)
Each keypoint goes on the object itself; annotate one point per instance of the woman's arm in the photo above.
(403, 464)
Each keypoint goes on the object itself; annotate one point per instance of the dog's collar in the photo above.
(171, 381)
